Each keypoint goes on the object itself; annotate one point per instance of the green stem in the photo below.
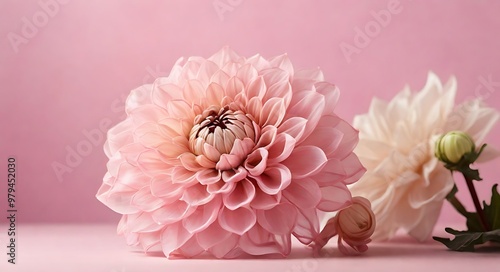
(477, 205)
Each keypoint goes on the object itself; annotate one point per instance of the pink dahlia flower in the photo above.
(229, 155)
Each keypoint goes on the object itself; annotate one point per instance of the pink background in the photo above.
(74, 72)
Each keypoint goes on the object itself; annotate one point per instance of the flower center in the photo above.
(219, 127)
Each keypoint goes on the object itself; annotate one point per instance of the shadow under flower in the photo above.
(399, 246)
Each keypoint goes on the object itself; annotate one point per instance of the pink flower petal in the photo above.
(254, 108)
(203, 216)
(189, 162)
(180, 109)
(228, 161)
(172, 212)
(142, 222)
(147, 113)
(246, 73)
(118, 136)
(130, 154)
(226, 248)
(223, 56)
(234, 87)
(326, 138)
(274, 76)
(256, 90)
(335, 174)
(242, 194)
(182, 175)
(212, 235)
(162, 186)
(304, 79)
(259, 241)
(150, 162)
(150, 240)
(240, 150)
(207, 70)
(281, 148)
(283, 90)
(267, 137)
(304, 193)
(259, 62)
(189, 70)
(173, 237)
(145, 201)
(264, 201)
(279, 220)
(172, 127)
(165, 82)
(204, 162)
(197, 195)
(237, 221)
(220, 187)
(334, 198)
(214, 94)
(349, 141)
(256, 162)
(208, 176)
(220, 78)
(353, 168)
(347, 171)
(274, 179)
(189, 249)
(293, 126)
(242, 147)
(311, 108)
(273, 112)
(149, 135)
(131, 238)
(193, 91)
(305, 161)
(331, 93)
(119, 202)
(128, 177)
(307, 226)
(139, 97)
(234, 175)
(284, 63)
(173, 148)
(162, 94)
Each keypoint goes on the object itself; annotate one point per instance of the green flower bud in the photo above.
(452, 146)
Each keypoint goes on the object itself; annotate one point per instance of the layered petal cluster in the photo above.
(229, 155)
(405, 182)
(354, 226)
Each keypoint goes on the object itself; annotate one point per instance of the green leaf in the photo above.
(492, 211)
(463, 165)
(466, 240)
(473, 222)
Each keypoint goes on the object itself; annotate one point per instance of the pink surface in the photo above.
(64, 78)
(95, 248)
